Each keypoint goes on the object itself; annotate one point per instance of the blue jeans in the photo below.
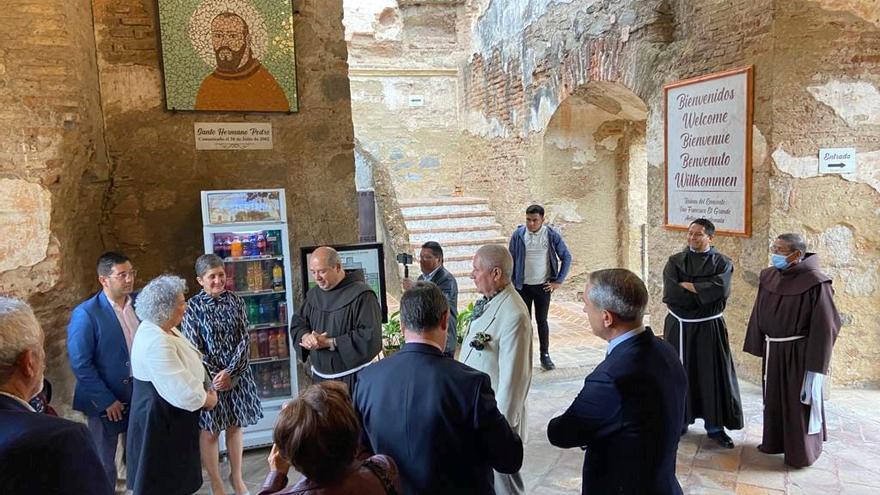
(106, 445)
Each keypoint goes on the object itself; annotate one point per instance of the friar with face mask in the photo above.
(793, 327)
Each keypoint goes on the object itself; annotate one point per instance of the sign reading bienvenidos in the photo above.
(708, 151)
(233, 136)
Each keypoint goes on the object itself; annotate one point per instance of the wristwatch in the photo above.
(332, 343)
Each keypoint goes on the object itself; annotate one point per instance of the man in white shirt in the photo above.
(99, 339)
(38, 453)
(540, 263)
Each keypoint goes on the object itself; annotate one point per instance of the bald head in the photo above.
(326, 267)
(493, 268)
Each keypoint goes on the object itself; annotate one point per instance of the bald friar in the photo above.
(339, 328)
(499, 343)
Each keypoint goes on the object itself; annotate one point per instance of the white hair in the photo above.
(19, 331)
(496, 256)
(158, 299)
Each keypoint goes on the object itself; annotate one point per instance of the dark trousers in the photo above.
(106, 445)
(541, 298)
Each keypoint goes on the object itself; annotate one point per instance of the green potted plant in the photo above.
(392, 335)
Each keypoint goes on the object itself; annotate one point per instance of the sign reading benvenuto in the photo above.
(708, 145)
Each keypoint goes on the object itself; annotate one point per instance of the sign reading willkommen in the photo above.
(708, 146)
(233, 136)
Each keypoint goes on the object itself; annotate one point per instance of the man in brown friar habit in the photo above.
(339, 328)
(793, 327)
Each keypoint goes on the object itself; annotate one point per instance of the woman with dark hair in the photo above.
(318, 433)
(216, 323)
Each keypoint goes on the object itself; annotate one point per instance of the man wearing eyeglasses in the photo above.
(99, 339)
(431, 263)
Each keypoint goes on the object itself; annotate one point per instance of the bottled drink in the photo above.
(282, 312)
(227, 246)
(272, 242)
(218, 246)
(275, 349)
(277, 386)
(251, 311)
(267, 275)
(277, 277)
(258, 276)
(282, 343)
(253, 344)
(261, 244)
(236, 249)
(250, 277)
(263, 340)
(245, 245)
(263, 313)
(252, 240)
(230, 275)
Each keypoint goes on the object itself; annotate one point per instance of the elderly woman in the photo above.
(319, 433)
(216, 323)
(169, 391)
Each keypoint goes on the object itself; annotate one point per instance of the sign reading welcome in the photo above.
(708, 151)
(233, 136)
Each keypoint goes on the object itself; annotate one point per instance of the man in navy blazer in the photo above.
(628, 415)
(99, 340)
(431, 264)
(436, 417)
(38, 453)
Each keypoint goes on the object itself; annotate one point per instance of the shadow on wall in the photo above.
(592, 178)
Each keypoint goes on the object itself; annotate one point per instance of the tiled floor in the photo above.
(849, 465)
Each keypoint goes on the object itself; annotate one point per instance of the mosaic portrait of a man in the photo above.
(228, 55)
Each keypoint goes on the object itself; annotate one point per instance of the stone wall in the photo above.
(54, 172)
(91, 160)
(153, 209)
(405, 90)
(816, 84)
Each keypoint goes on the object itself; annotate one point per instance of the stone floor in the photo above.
(849, 465)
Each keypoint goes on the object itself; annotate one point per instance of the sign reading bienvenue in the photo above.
(233, 136)
(708, 151)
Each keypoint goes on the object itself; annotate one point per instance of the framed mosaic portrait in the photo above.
(228, 55)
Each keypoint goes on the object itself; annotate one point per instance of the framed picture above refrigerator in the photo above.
(368, 258)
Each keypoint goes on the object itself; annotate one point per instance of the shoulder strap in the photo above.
(379, 472)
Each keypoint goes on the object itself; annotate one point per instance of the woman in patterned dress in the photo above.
(216, 322)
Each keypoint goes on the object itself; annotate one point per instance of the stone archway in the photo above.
(592, 175)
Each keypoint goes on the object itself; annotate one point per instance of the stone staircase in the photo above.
(461, 226)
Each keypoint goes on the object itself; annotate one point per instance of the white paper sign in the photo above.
(708, 152)
(233, 136)
(837, 160)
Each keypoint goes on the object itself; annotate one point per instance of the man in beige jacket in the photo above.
(499, 343)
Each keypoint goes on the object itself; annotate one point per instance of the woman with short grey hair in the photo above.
(216, 323)
(162, 448)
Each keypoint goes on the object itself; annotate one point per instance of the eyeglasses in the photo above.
(125, 275)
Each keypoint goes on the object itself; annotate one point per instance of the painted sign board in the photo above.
(708, 151)
(837, 160)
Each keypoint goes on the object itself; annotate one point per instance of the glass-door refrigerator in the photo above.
(248, 229)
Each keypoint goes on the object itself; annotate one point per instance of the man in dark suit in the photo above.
(628, 415)
(436, 417)
(38, 453)
(431, 263)
(99, 339)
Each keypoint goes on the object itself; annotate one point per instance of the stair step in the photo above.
(442, 216)
(446, 238)
(444, 223)
(465, 242)
(463, 228)
(443, 209)
(441, 201)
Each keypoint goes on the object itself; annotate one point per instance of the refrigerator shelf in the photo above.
(247, 293)
(240, 259)
(263, 326)
(273, 359)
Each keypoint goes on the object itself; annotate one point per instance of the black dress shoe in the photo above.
(722, 439)
(547, 363)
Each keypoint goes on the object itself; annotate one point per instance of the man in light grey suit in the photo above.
(431, 263)
(499, 343)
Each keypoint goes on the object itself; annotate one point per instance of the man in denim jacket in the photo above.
(540, 263)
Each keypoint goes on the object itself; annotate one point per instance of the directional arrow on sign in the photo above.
(836, 165)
